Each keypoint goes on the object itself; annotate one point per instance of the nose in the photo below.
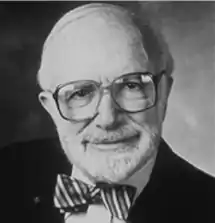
(107, 113)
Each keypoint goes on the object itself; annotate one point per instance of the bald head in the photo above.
(91, 37)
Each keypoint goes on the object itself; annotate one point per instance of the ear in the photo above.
(47, 101)
(169, 83)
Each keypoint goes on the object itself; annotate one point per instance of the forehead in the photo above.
(100, 46)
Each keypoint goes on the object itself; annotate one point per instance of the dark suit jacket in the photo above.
(177, 191)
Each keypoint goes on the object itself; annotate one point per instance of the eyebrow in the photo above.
(123, 76)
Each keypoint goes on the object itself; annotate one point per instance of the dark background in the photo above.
(188, 28)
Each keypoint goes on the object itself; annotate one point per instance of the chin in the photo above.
(111, 166)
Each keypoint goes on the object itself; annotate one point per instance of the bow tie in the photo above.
(72, 195)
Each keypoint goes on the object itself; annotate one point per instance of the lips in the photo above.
(107, 142)
(123, 140)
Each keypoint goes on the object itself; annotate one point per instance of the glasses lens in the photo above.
(79, 100)
(134, 92)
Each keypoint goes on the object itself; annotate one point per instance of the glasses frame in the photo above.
(155, 78)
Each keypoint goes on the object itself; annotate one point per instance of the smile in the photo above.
(115, 145)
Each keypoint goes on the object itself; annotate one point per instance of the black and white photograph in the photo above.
(107, 111)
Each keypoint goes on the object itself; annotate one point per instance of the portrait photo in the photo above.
(107, 111)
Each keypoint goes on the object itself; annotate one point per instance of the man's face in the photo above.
(101, 49)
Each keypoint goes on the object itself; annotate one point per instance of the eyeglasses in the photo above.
(131, 93)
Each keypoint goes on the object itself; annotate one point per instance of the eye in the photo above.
(82, 93)
(132, 86)
(80, 97)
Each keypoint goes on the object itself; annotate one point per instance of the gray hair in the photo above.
(153, 41)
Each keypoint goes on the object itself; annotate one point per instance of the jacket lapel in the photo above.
(151, 205)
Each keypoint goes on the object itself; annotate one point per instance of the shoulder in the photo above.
(33, 154)
(169, 163)
(191, 176)
(176, 192)
(34, 162)
(180, 187)
(28, 174)
(184, 176)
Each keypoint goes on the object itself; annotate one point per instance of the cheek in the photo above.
(71, 139)
(70, 128)
(149, 117)
(71, 131)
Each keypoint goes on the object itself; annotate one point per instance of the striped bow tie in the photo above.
(72, 195)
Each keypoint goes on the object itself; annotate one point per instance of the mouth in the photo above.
(114, 145)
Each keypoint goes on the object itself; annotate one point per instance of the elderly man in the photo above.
(105, 76)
